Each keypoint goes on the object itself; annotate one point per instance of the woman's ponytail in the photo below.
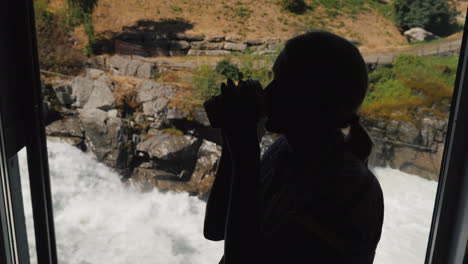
(359, 140)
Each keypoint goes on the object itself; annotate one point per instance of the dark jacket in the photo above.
(326, 208)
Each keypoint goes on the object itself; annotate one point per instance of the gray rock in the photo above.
(94, 73)
(215, 39)
(101, 97)
(63, 92)
(81, 90)
(417, 34)
(179, 45)
(107, 138)
(67, 127)
(151, 90)
(392, 128)
(174, 113)
(132, 68)
(119, 63)
(146, 70)
(199, 115)
(255, 42)
(409, 133)
(201, 45)
(233, 39)
(415, 162)
(112, 113)
(235, 46)
(208, 52)
(427, 131)
(155, 106)
(165, 146)
(189, 37)
(105, 79)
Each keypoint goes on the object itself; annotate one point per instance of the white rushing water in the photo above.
(98, 220)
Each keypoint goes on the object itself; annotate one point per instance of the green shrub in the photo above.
(387, 90)
(413, 84)
(55, 52)
(206, 82)
(294, 6)
(81, 12)
(437, 16)
(228, 70)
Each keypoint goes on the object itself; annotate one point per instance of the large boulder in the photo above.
(418, 34)
(125, 65)
(89, 93)
(417, 161)
(203, 176)
(154, 97)
(166, 146)
(82, 88)
(66, 130)
(107, 137)
(101, 97)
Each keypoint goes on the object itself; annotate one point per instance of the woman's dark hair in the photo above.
(326, 77)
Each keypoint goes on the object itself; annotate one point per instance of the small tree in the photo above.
(294, 6)
(437, 16)
(228, 70)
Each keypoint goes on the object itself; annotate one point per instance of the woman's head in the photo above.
(320, 79)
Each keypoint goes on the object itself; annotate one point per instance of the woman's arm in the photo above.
(242, 233)
(218, 200)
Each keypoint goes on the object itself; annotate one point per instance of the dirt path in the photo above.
(448, 47)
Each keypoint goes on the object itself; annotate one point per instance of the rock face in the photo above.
(67, 130)
(161, 145)
(121, 65)
(418, 34)
(166, 146)
(412, 148)
(89, 93)
(107, 137)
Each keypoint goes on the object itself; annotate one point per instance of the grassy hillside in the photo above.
(367, 21)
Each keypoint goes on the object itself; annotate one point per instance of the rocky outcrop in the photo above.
(412, 147)
(158, 144)
(108, 137)
(68, 130)
(417, 34)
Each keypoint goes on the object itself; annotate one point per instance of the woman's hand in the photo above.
(237, 106)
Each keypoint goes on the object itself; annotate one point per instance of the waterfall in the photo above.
(100, 220)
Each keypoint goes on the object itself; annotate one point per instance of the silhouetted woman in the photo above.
(311, 199)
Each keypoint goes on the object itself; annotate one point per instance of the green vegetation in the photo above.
(55, 52)
(229, 70)
(437, 16)
(257, 67)
(294, 6)
(413, 84)
(207, 82)
(81, 13)
(386, 9)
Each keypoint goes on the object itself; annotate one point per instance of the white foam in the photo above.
(98, 220)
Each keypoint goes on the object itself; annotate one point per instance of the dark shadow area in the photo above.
(148, 34)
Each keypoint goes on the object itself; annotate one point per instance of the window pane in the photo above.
(131, 152)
